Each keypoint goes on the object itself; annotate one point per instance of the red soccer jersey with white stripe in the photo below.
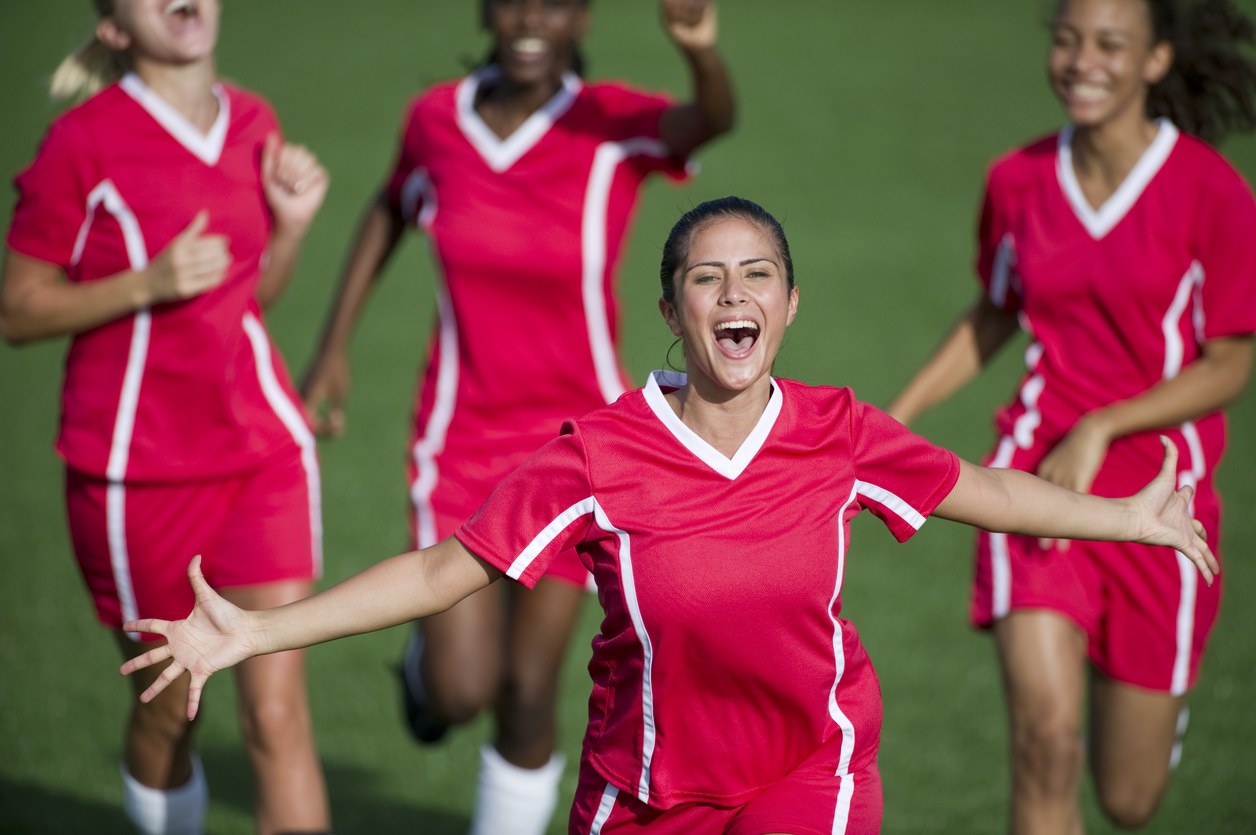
(526, 233)
(1120, 297)
(721, 663)
(181, 390)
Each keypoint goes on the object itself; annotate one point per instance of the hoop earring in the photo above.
(668, 358)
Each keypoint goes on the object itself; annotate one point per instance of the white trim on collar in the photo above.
(730, 468)
(500, 153)
(207, 147)
(1101, 221)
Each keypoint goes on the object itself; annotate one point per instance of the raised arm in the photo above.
(978, 335)
(692, 26)
(217, 635)
(295, 184)
(37, 302)
(1011, 501)
(1209, 383)
(326, 383)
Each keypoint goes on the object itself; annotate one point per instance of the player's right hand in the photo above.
(213, 637)
(191, 264)
(324, 391)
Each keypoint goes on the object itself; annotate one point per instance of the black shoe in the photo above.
(423, 726)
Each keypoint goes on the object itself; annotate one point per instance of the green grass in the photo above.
(866, 126)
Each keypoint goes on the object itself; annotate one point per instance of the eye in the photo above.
(705, 278)
(1111, 45)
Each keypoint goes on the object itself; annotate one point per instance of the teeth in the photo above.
(181, 6)
(1089, 91)
(740, 323)
(529, 46)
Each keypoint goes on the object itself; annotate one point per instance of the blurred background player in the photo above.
(155, 222)
(1126, 247)
(524, 177)
(714, 509)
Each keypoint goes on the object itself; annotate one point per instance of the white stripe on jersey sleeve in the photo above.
(547, 535)
(890, 502)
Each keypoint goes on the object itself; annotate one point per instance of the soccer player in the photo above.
(1125, 246)
(156, 221)
(524, 178)
(714, 511)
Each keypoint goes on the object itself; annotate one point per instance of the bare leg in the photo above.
(1043, 657)
(1132, 735)
(542, 621)
(158, 743)
(275, 721)
(462, 657)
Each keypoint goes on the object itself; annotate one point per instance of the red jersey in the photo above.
(182, 390)
(1121, 297)
(722, 662)
(526, 233)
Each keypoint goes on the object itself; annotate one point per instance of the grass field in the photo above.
(866, 126)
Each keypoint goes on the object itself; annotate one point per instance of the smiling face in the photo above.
(165, 31)
(1103, 59)
(535, 40)
(732, 304)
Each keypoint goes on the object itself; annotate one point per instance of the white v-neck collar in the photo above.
(1099, 222)
(207, 147)
(500, 153)
(730, 468)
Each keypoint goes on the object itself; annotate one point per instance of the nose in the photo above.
(733, 293)
(1083, 56)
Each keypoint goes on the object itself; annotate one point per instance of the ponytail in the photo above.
(1210, 90)
(88, 69)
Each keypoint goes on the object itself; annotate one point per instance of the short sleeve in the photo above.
(632, 115)
(900, 476)
(538, 511)
(996, 247)
(1228, 256)
(52, 198)
(407, 183)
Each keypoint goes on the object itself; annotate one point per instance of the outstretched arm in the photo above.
(217, 635)
(691, 24)
(1011, 501)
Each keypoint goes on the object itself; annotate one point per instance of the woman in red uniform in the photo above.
(524, 178)
(157, 219)
(1124, 245)
(714, 511)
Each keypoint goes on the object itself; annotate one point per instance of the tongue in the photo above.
(742, 344)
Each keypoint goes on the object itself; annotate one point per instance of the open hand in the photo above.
(214, 636)
(691, 24)
(1165, 518)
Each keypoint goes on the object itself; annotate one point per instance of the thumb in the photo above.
(1168, 468)
(199, 585)
(197, 226)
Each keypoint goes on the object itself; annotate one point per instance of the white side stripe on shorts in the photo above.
(604, 809)
(841, 815)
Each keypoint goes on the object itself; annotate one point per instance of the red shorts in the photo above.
(811, 800)
(1146, 611)
(134, 541)
(440, 503)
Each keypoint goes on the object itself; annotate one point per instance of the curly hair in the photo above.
(1210, 91)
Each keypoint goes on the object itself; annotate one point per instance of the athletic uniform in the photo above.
(526, 233)
(180, 429)
(1116, 300)
(727, 692)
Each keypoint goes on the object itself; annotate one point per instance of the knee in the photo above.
(275, 721)
(1048, 753)
(1128, 805)
(163, 719)
(459, 697)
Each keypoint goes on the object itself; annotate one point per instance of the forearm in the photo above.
(395, 591)
(1011, 501)
(281, 261)
(36, 302)
(977, 336)
(713, 98)
(1210, 383)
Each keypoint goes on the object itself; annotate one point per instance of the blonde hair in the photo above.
(89, 68)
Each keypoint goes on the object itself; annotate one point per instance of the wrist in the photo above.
(1098, 425)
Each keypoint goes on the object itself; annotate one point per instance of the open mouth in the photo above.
(737, 336)
(528, 48)
(185, 9)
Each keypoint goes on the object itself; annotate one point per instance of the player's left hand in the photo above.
(1164, 516)
(1074, 463)
(691, 24)
(294, 183)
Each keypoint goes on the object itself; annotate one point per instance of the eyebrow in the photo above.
(744, 263)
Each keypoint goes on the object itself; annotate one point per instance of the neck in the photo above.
(722, 418)
(189, 88)
(510, 98)
(1110, 151)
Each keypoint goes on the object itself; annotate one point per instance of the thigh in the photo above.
(278, 677)
(1042, 655)
(541, 622)
(814, 801)
(1132, 734)
(271, 532)
(463, 645)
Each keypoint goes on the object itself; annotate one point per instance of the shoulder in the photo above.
(1203, 169)
(249, 108)
(615, 99)
(1024, 165)
(817, 404)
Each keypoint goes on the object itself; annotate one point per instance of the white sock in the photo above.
(178, 811)
(510, 800)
